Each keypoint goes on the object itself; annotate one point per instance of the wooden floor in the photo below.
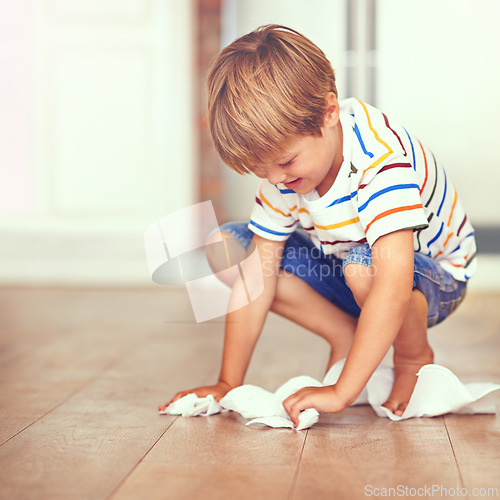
(83, 370)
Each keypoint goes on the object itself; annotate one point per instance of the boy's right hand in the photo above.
(218, 391)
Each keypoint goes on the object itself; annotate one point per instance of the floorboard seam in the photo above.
(460, 477)
(296, 473)
(69, 396)
(119, 485)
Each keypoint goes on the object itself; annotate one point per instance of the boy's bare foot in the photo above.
(405, 378)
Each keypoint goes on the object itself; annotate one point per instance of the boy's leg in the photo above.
(411, 352)
(435, 295)
(411, 349)
(295, 299)
(299, 302)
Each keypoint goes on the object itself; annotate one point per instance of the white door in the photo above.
(96, 134)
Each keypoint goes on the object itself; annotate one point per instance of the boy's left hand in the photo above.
(323, 399)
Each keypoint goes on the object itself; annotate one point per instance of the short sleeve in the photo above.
(271, 218)
(389, 199)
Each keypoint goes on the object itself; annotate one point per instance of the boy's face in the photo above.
(310, 162)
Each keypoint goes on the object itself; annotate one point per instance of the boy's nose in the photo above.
(276, 176)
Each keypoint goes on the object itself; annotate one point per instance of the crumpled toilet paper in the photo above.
(264, 407)
(193, 406)
(437, 391)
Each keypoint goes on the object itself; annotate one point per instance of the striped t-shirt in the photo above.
(388, 181)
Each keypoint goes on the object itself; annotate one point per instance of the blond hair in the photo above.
(264, 89)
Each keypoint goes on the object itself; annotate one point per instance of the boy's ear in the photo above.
(332, 110)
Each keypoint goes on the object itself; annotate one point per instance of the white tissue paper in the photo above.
(193, 406)
(266, 408)
(437, 391)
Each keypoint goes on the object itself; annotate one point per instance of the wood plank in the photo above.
(209, 482)
(30, 316)
(49, 356)
(219, 456)
(476, 444)
(86, 446)
(225, 439)
(215, 457)
(349, 454)
(468, 342)
(96, 372)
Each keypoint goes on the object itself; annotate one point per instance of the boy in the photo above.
(376, 210)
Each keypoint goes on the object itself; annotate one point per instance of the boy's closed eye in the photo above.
(287, 164)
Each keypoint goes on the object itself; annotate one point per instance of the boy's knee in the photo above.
(359, 279)
(217, 251)
(224, 254)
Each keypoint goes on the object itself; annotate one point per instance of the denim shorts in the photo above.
(325, 273)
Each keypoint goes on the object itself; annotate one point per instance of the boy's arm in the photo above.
(383, 311)
(244, 325)
(378, 326)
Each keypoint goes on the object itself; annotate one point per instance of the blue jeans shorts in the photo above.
(325, 273)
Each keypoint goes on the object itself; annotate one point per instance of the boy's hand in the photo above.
(323, 399)
(218, 391)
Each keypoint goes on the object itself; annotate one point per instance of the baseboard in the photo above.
(60, 255)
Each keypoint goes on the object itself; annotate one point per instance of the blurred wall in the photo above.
(96, 134)
(434, 69)
(438, 74)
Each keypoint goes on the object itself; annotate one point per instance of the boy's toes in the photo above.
(391, 405)
(400, 410)
(396, 407)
